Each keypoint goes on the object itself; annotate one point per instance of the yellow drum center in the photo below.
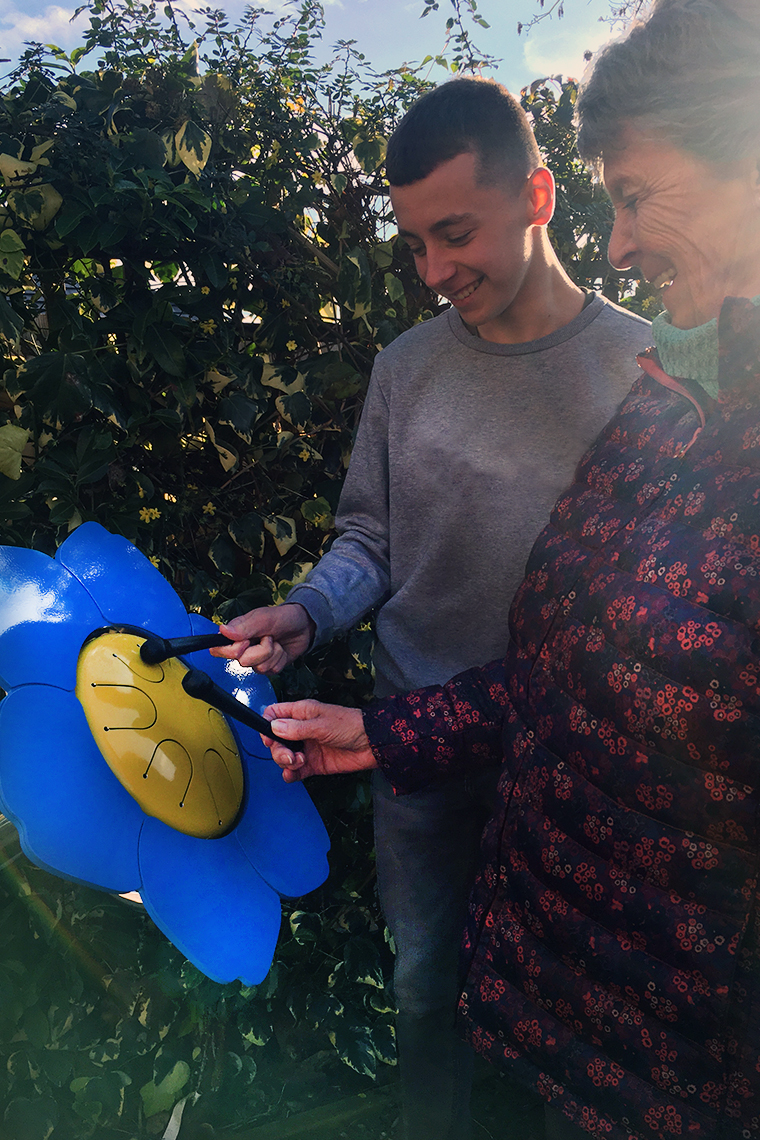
(174, 754)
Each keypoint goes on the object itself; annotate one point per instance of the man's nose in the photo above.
(438, 269)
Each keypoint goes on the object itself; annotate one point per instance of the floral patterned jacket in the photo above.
(612, 951)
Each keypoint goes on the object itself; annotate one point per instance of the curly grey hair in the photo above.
(690, 74)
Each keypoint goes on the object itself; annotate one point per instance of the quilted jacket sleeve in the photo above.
(441, 730)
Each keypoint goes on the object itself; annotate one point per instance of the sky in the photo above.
(389, 32)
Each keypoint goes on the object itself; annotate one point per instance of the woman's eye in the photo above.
(459, 239)
(630, 204)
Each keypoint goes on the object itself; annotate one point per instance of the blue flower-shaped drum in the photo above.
(118, 779)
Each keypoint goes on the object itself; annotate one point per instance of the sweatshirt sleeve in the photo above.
(354, 575)
(441, 730)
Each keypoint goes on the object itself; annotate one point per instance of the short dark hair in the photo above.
(476, 116)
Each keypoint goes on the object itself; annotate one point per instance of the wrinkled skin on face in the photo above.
(691, 227)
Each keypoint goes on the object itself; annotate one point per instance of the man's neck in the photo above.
(548, 300)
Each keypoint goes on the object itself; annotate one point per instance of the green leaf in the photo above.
(317, 512)
(13, 440)
(149, 148)
(370, 153)
(72, 213)
(326, 1009)
(59, 385)
(214, 268)
(193, 146)
(248, 533)
(162, 1097)
(31, 1120)
(165, 348)
(393, 287)
(11, 324)
(36, 1027)
(105, 1051)
(56, 1065)
(106, 1090)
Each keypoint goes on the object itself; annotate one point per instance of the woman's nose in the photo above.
(621, 251)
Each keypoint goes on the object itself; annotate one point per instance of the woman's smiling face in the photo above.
(692, 228)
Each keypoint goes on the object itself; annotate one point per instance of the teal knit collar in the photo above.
(691, 354)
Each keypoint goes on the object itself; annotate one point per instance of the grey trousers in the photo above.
(427, 846)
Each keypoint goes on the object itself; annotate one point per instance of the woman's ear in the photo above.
(541, 197)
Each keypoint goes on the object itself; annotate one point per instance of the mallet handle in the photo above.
(157, 649)
(199, 684)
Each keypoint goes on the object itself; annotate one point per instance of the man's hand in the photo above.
(333, 738)
(269, 638)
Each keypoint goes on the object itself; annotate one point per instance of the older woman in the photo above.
(612, 954)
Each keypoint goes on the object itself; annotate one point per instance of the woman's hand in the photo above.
(333, 739)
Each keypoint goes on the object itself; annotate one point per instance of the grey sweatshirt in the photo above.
(463, 447)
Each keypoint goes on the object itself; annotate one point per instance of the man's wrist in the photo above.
(311, 624)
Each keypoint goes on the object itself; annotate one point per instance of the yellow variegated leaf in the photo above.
(14, 171)
(193, 146)
(37, 206)
(66, 100)
(282, 530)
(12, 251)
(41, 149)
(217, 380)
(169, 139)
(227, 457)
(271, 377)
(295, 407)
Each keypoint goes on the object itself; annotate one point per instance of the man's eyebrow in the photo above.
(444, 223)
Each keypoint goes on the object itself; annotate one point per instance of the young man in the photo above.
(473, 425)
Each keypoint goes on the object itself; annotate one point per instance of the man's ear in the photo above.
(541, 197)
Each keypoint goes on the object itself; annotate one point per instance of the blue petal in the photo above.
(45, 615)
(124, 585)
(280, 829)
(281, 832)
(73, 816)
(209, 902)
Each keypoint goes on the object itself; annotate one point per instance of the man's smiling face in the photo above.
(470, 242)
